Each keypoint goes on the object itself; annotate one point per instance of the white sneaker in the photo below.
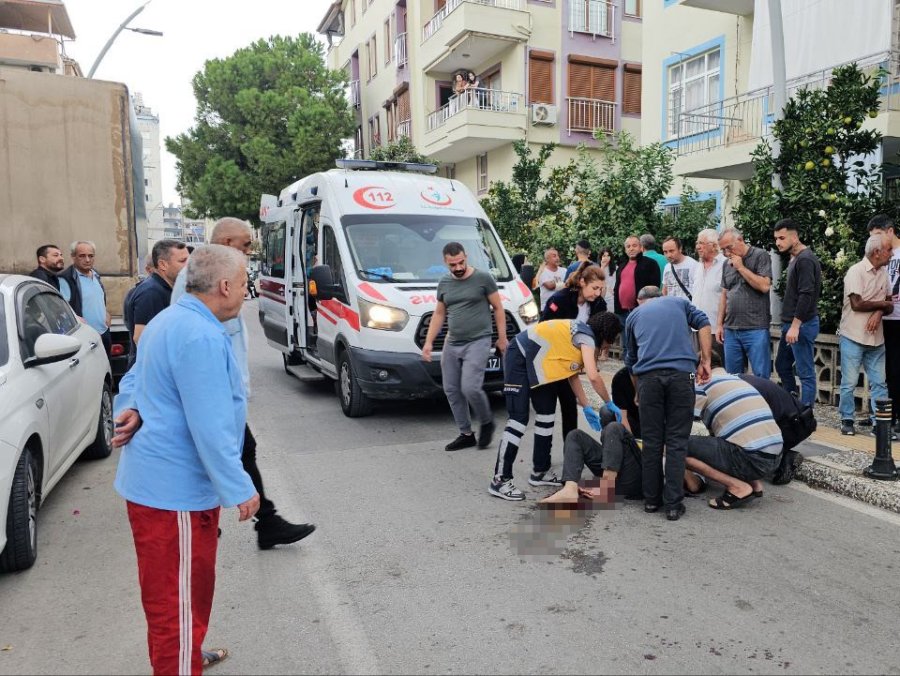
(505, 490)
(547, 478)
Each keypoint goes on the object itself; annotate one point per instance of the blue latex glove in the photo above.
(612, 408)
(593, 418)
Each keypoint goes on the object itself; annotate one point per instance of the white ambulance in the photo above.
(349, 269)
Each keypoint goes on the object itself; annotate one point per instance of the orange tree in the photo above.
(830, 184)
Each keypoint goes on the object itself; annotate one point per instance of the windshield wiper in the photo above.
(372, 273)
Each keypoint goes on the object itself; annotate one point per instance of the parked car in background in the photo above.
(55, 405)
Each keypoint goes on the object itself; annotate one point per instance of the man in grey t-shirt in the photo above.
(466, 298)
(744, 314)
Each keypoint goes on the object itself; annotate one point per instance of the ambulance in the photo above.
(350, 263)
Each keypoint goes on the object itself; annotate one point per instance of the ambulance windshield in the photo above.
(410, 248)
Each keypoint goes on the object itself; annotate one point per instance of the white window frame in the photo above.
(678, 82)
(481, 170)
(635, 5)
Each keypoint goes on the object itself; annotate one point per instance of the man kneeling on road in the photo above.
(745, 443)
(615, 459)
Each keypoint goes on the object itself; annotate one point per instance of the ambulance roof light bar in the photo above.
(373, 165)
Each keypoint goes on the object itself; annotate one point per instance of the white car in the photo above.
(55, 405)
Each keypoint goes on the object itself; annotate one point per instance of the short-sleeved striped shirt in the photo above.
(735, 411)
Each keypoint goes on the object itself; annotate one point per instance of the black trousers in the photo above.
(248, 459)
(666, 400)
(568, 407)
(892, 362)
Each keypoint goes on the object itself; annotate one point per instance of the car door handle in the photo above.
(93, 345)
(75, 361)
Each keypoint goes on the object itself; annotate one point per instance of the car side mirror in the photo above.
(321, 283)
(527, 274)
(50, 348)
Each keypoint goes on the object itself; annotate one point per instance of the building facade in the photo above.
(148, 124)
(547, 71)
(707, 68)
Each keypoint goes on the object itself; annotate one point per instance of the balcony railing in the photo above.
(400, 57)
(748, 117)
(404, 129)
(357, 154)
(477, 99)
(437, 20)
(354, 93)
(597, 17)
(586, 115)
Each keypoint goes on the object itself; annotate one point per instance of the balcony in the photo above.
(596, 17)
(404, 129)
(400, 55)
(715, 140)
(739, 7)
(586, 115)
(476, 122)
(470, 32)
(38, 51)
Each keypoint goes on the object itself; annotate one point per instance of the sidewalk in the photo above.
(832, 461)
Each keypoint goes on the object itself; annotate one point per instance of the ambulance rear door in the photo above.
(276, 278)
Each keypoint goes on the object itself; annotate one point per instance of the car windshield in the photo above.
(410, 248)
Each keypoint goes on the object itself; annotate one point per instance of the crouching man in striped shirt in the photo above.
(181, 412)
(745, 442)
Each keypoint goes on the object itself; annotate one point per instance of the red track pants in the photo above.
(176, 554)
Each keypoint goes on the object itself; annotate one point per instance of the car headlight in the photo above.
(384, 317)
(528, 311)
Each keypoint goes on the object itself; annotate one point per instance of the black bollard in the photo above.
(883, 466)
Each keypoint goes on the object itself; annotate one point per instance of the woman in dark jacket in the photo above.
(581, 298)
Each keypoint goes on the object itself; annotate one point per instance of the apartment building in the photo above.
(148, 125)
(707, 69)
(549, 71)
(31, 37)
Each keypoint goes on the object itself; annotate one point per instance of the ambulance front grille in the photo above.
(512, 330)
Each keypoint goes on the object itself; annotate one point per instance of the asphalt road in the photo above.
(416, 569)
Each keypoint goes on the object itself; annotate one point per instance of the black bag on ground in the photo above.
(794, 429)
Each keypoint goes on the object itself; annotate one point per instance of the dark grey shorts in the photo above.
(732, 459)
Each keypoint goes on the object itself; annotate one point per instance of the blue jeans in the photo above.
(742, 345)
(800, 355)
(871, 358)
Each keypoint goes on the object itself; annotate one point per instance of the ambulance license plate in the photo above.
(493, 364)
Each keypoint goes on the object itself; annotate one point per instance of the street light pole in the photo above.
(112, 38)
(779, 75)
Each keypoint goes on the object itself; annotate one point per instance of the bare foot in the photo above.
(563, 495)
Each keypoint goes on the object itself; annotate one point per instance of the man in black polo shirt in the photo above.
(152, 296)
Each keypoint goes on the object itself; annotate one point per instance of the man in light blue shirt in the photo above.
(271, 528)
(86, 293)
(185, 396)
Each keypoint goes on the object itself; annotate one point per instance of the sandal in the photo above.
(729, 500)
(213, 657)
(757, 494)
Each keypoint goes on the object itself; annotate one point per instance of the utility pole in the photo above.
(779, 74)
(112, 38)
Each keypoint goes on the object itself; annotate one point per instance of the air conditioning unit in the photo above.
(543, 113)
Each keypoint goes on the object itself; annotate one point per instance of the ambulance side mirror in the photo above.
(321, 283)
(527, 274)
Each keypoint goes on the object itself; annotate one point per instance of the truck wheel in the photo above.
(21, 519)
(101, 447)
(354, 401)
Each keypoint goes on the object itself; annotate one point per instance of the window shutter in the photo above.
(631, 97)
(540, 77)
(403, 111)
(603, 83)
(580, 80)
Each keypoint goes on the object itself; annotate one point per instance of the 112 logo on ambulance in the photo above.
(374, 197)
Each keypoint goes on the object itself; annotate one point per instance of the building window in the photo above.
(631, 96)
(387, 42)
(591, 16)
(540, 76)
(633, 8)
(592, 94)
(481, 167)
(147, 197)
(373, 57)
(450, 171)
(374, 131)
(146, 182)
(352, 12)
(693, 88)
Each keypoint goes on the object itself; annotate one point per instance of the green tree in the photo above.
(267, 115)
(619, 194)
(828, 185)
(401, 150)
(693, 215)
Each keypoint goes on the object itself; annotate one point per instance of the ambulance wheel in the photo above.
(354, 402)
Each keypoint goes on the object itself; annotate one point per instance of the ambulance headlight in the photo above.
(384, 317)
(528, 311)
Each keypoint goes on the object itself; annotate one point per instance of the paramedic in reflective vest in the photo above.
(466, 297)
(540, 356)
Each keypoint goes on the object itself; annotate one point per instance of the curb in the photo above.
(840, 471)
